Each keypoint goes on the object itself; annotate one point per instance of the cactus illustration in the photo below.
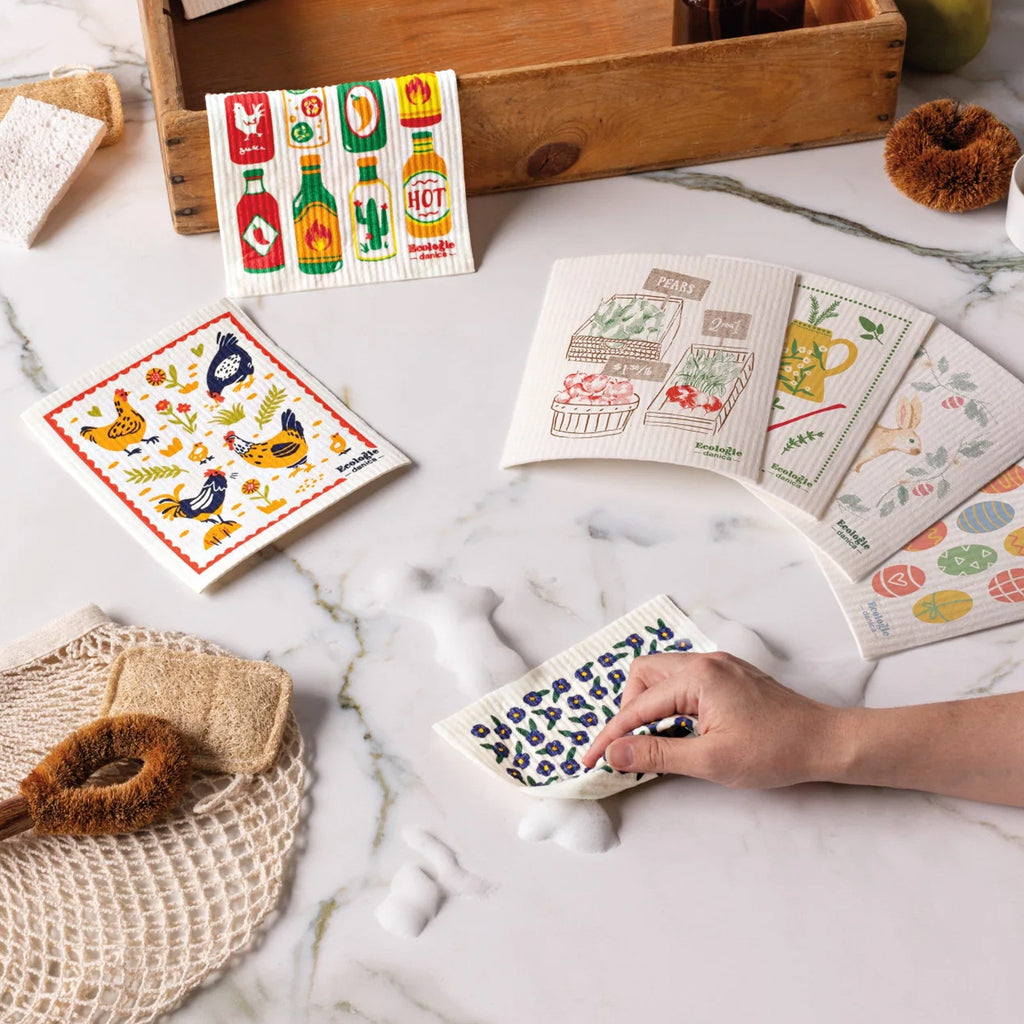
(375, 220)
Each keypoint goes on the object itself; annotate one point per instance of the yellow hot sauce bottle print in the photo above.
(317, 232)
(428, 208)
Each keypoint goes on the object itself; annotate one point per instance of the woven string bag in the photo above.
(121, 928)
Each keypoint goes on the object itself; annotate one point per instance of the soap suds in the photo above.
(841, 681)
(413, 900)
(417, 893)
(459, 616)
(582, 826)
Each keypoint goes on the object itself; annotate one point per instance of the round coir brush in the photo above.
(62, 795)
(951, 156)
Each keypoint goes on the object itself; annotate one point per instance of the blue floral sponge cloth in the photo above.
(534, 731)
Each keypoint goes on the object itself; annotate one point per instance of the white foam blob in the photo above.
(582, 826)
(841, 681)
(444, 865)
(413, 900)
(459, 616)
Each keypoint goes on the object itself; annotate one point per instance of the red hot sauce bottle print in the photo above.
(259, 226)
(250, 131)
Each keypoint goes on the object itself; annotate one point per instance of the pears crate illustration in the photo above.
(545, 97)
(636, 326)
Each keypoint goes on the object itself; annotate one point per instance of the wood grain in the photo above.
(646, 106)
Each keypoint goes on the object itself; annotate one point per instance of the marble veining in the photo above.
(846, 897)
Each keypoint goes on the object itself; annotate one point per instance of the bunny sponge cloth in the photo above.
(950, 156)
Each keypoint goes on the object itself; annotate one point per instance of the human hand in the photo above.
(754, 732)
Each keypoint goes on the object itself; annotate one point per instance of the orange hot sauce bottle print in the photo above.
(428, 208)
(317, 231)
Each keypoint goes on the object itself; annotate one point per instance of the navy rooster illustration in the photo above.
(230, 364)
(205, 505)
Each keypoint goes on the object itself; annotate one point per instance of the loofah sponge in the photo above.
(42, 149)
(950, 156)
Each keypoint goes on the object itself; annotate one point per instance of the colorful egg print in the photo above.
(943, 606)
(898, 580)
(930, 538)
(967, 560)
(922, 490)
(1014, 542)
(1009, 480)
(985, 516)
(953, 402)
(1007, 586)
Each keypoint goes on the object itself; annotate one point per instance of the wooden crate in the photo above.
(550, 90)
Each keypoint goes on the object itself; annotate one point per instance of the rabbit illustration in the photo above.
(901, 438)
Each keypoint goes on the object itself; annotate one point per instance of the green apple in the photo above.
(943, 34)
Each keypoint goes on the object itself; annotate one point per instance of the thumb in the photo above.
(675, 755)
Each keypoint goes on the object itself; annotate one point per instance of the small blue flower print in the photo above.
(663, 632)
(534, 737)
(560, 686)
(545, 768)
(598, 692)
(570, 766)
(618, 700)
(589, 719)
(616, 677)
(480, 730)
(579, 737)
(515, 775)
(503, 730)
(552, 715)
(576, 702)
(584, 675)
(608, 659)
(680, 645)
(500, 751)
(634, 640)
(533, 698)
(516, 714)
(521, 760)
(554, 748)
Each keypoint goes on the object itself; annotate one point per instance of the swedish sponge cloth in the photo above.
(42, 149)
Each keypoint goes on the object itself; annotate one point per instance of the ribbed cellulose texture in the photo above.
(121, 928)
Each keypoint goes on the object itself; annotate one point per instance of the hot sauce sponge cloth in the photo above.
(232, 712)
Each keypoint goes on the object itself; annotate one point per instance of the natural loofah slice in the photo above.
(950, 156)
(60, 803)
(81, 89)
(231, 711)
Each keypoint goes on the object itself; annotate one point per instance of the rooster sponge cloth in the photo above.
(124, 938)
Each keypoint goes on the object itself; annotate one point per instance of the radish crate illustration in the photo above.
(703, 389)
(207, 443)
(636, 326)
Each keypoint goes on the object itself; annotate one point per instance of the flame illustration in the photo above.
(318, 238)
(417, 91)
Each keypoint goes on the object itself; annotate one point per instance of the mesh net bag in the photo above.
(121, 928)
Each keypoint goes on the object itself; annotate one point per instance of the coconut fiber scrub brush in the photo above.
(62, 795)
(951, 156)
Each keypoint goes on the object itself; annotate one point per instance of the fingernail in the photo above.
(620, 755)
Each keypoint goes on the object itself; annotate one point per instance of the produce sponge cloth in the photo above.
(42, 149)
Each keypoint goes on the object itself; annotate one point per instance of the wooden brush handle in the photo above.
(14, 817)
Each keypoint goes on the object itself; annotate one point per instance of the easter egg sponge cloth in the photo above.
(951, 156)
(232, 712)
(42, 149)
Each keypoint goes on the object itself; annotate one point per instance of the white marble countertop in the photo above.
(816, 903)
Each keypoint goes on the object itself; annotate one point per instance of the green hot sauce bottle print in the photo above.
(370, 205)
(317, 231)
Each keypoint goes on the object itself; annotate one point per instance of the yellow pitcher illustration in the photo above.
(809, 356)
